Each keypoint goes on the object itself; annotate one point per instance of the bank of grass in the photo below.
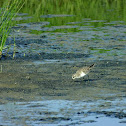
(103, 10)
(7, 13)
(108, 10)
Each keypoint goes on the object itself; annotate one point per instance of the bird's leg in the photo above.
(88, 77)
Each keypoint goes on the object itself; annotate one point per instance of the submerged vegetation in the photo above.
(55, 13)
(7, 14)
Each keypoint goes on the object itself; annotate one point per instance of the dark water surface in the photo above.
(44, 50)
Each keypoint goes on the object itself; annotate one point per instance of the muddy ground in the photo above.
(36, 87)
(43, 92)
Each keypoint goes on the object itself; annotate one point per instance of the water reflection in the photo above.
(64, 112)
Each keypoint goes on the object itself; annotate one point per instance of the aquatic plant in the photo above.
(7, 14)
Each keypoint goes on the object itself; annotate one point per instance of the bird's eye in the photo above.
(73, 77)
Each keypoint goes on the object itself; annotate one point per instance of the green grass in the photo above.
(108, 10)
(7, 12)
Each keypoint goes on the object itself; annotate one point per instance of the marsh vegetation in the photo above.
(8, 12)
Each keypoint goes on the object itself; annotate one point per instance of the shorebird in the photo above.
(82, 72)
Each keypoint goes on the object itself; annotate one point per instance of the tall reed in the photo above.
(7, 13)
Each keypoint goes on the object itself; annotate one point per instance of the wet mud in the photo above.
(43, 92)
(36, 86)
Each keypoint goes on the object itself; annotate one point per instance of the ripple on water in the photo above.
(64, 112)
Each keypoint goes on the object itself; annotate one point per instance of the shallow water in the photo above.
(64, 112)
(91, 43)
(36, 87)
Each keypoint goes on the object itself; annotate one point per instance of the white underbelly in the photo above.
(82, 74)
